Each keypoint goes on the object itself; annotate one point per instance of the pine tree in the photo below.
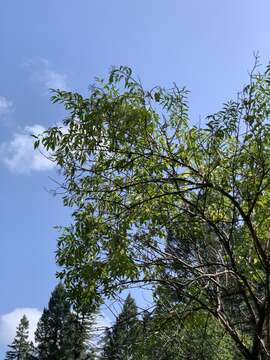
(21, 348)
(61, 334)
(120, 341)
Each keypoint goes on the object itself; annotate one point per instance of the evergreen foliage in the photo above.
(120, 342)
(21, 348)
(60, 333)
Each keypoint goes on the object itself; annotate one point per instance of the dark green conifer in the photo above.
(21, 348)
(120, 340)
(61, 333)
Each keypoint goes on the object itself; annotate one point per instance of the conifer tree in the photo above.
(21, 348)
(120, 341)
(61, 334)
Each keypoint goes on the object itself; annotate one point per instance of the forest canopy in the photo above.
(161, 201)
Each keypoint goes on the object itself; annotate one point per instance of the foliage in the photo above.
(21, 348)
(120, 342)
(137, 172)
(182, 331)
(60, 333)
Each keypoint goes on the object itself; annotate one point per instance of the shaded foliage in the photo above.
(137, 172)
(120, 342)
(61, 333)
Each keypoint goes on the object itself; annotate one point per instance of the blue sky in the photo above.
(204, 45)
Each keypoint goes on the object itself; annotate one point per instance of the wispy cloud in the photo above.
(45, 74)
(19, 155)
(9, 322)
(54, 80)
(6, 106)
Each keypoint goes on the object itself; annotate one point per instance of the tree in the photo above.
(21, 347)
(185, 332)
(60, 333)
(136, 171)
(120, 342)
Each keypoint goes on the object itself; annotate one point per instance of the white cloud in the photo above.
(6, 105)
(55, 80)
(10, 321)
(19, 155)
(43, 73)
